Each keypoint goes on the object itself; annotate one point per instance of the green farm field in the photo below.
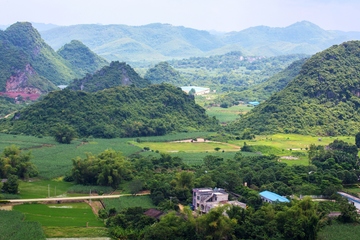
(54, 160)
(293, 141)
(340, 232)
(43, 188)
(64, 220)
(129, 201)
(226, 115)
(189, 147)
(63, 215)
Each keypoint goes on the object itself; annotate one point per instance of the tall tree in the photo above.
(14, 162)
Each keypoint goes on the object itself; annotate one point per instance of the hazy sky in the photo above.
(220, 15)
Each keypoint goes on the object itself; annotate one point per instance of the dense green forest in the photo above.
(116, 74)
(82, 59)
(323, 99)
(115, 112)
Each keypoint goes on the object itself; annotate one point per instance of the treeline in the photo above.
(297, 220)
(116, 112)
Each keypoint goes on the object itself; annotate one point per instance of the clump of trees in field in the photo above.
(13, 165)
(109, 168)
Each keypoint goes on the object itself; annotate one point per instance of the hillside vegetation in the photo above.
(81, 58)
(164, 73)
(115, 112)
(324, 99)
(117, 74)
(29, 65)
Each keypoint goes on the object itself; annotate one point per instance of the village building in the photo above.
(205, 199)
(271, 197)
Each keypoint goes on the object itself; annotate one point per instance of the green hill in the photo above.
(117, 74)
(115, 112)
(45, 61)
(164, 73)
(81, 58)
(323, 99)
(29, 65)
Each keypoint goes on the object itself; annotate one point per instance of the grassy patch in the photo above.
(75, 232)
(172, 147)
(225, 115)
(289, 145)
(60, 215)
(129, 201)
(340, 232)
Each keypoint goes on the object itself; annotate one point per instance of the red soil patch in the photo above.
(25, 96)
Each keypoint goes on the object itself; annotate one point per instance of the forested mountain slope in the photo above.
(323, 99)
(81, 58)
(114, 112)
(117, 74)
(164, 73)
(29, 66)
(159, 42)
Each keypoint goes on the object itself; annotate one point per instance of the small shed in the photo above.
(271, 197)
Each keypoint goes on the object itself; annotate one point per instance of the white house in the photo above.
(205, 199)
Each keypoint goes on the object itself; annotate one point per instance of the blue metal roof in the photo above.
(273, 196)
(254, 103)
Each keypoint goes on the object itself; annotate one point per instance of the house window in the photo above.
(198, 197)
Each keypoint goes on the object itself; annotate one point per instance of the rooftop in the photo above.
(273, 196)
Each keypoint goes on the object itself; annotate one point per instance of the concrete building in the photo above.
(205, 199)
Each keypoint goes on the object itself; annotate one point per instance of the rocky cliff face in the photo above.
(19, 82)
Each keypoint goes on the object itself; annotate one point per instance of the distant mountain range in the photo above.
(157, 42)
